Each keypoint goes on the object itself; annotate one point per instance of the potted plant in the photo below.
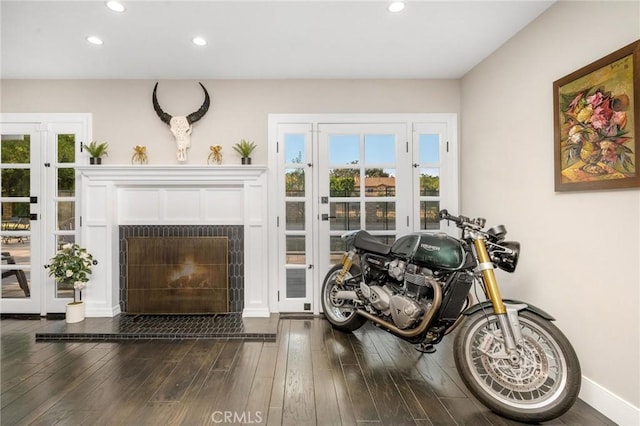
(96, 150)
(245, 148)
(71, 267)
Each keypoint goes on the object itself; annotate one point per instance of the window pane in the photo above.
(15, 216)
(380, 216)
(429, 148)
(66, 215)
(347, 216)
(379, 149)
(344, 149)
(380, 183)
(344, 182)
(294, 216)
(66, 148)
(296, 286)
(430, 182)
(16, 149)
(16, 182)
(294, 149)
(66, 182)
(337, 248)
(64, 239)
(296, 250)
(429, 218)
(294, 182)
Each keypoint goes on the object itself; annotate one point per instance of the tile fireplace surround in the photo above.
(113, 196)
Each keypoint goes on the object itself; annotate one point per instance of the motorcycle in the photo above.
(508, 353)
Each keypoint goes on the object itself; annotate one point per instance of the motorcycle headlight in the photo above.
(505, 255)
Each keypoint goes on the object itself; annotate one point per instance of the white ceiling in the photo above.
(256, 39)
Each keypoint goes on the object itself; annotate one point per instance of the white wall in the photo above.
(123, 114)
(581, 250)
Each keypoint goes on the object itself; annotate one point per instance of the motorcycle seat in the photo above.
(367, 242)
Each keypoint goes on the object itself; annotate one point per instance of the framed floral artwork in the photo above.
(597, 122)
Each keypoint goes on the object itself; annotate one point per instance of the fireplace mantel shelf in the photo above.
(171, 172)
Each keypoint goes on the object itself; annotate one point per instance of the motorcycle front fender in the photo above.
(487, 305)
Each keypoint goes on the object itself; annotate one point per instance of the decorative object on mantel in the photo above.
(245, 148)
(181, 126)
(596, 123)
(96, 150)
(139, 155)
(71, 267)
(215, 155)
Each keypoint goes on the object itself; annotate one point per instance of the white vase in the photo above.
(75, 312)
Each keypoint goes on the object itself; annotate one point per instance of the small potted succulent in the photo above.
(71, 267)
(245, 148)
(96, 150)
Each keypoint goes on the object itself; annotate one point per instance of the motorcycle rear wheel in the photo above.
(340, 313)
(543, 385)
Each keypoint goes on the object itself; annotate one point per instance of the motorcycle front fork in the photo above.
(507, 314)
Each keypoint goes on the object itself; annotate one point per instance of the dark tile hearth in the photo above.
(171, 327)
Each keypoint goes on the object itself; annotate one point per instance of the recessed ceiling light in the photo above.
(116, 6)
(94, 40)
(396, 6)
(199, 41)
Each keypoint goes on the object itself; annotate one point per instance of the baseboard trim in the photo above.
(609, 404)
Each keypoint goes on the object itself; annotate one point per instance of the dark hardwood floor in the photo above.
(310, 375)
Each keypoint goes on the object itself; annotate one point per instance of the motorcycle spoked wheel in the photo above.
(340, 313)
(542, 386)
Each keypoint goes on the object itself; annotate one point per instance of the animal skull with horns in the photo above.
(181, 126)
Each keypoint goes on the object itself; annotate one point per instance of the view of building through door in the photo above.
(39, 153)
(389, 177)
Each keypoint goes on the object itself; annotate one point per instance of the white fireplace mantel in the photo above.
(114, 195)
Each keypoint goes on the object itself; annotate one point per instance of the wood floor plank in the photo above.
(299, 405)
(276, 404)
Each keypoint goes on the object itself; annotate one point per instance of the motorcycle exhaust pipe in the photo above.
(346, 295)
(426, 320)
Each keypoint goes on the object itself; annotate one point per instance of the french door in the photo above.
(389, 177)
(20, 235)
(39, 211)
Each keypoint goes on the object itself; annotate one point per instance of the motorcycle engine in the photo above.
(404, 311)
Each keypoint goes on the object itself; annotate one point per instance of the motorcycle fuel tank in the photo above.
(435, 251)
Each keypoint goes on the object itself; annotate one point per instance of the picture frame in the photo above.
(597, 124)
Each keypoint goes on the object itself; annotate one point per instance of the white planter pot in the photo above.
(75, 312)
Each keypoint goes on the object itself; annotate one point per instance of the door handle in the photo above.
(325, 216)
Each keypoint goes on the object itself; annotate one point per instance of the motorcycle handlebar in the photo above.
(461, 221)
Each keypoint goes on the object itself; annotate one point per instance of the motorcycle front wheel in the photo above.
(542, 385)
(341, 313)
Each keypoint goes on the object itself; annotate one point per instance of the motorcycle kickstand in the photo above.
(425, 348)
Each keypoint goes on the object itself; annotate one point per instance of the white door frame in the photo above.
(273, 174)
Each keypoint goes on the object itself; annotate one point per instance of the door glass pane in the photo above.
(429, 148)
(344, 182)
(430, 181)
(294, 148)
(66, 215)
(294, 182)
(295, 215)
(66, 182)
(61, 240)
(346, 216)
(296, 250)
(296, 285)
(16, 149)
(380, 183)
(66, 148)
(344, 149)
(429, 215)
(380, 216)
(16, 182)
(337, 247)
(379, 149)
